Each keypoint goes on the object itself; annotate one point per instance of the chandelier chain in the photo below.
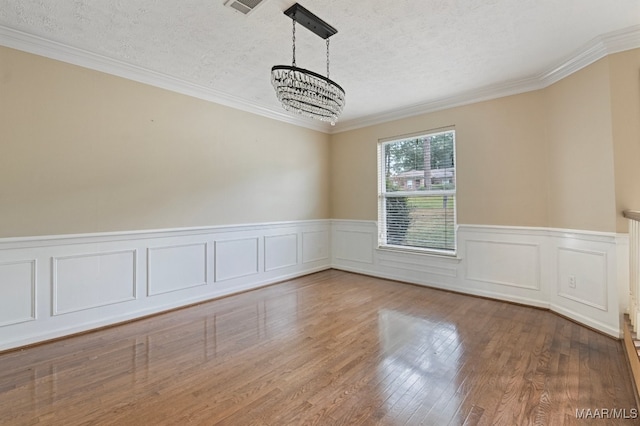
(328, 58)
(294, 43)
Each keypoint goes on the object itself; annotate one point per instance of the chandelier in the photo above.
(302, 91)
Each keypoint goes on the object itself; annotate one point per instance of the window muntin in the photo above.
(417, 192)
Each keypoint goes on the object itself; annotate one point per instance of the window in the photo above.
(417, 192)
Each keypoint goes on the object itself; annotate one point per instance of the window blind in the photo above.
(417, 192)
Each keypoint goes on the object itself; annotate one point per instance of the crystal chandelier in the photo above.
(306, 92)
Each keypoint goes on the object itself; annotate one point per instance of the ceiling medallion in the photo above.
(302, 91)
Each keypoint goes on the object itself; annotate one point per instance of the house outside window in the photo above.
(417, 192)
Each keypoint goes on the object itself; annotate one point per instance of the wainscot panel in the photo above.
(353, 246)
(280, 251)
(509, 264)
(18, 289)
(86, 281)
(586, 287)
(582, 277)
(315, 246)
(54, 286)
(236, 258)
(572, 272)
(171, 268)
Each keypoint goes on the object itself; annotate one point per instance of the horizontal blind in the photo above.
(417, 197)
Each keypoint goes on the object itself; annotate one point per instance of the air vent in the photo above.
(243, 6)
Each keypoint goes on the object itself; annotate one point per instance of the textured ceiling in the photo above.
(387, 55)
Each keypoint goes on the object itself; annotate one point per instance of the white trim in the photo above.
(46, 240)
(442, 254)
(543, 231)
(598, 48)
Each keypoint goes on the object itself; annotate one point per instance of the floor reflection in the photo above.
(138, 358)
(331, 348)
(420, 365)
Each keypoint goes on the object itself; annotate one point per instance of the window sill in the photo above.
(443, 255)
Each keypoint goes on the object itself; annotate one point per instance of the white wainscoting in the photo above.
(579, 274)
(58, 285)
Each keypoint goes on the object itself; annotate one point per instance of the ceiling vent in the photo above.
(243, 6)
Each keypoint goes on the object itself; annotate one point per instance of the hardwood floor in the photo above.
(329, 348)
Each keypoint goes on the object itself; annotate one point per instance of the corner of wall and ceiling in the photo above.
(598, 48)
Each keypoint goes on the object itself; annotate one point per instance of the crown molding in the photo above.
(483, 94)
(30, 43)
(608, 44)
(598, 48)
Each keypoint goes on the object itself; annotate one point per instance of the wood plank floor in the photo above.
(332, 348)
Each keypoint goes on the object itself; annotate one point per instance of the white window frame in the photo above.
(383, 195)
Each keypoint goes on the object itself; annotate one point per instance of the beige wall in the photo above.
(625, 112)
(500, 153)
(580, 150)
(83, 151)
(565, 156)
